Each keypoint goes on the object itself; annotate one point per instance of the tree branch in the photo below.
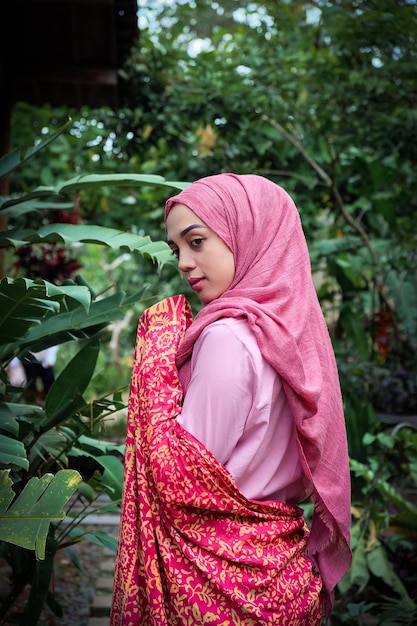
(330, 183)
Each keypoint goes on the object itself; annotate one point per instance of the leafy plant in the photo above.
(258, 99)
(384, 519)
(40, 446)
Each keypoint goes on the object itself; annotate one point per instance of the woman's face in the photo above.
(203, 258)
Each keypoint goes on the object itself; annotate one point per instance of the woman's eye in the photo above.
(195, 243)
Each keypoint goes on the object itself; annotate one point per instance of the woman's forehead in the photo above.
(180, 220)
(181, 212)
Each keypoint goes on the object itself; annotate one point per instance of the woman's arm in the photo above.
(220, 394)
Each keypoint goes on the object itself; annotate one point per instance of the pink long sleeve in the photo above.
(236, 406)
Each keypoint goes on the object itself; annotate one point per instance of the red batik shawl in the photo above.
(192, 549)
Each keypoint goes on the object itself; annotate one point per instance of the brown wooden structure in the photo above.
(65, 52)
(62, 52)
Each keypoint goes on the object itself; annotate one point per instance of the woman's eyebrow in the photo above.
(186, 230)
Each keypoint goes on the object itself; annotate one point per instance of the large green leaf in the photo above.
(8, 421)
(36, 205)
(69, 234)
(381, 567)
(95, 180)
(40, 585)
(79, 292)
(111, 480)
(64, 326)
(117, 180)
(50, 445)
(354, 329)
(405, 290)
(98, 537)
(15, 158)
(24, 521)
(102, 312)
(73, 380)
(358, 573)
(405, 519)
(19, 411)
(12, 453)
(25, 303)
(390, 493)
(97, 447)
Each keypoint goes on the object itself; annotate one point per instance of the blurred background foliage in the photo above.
(320, 98)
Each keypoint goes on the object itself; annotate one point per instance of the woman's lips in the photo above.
(196, 283)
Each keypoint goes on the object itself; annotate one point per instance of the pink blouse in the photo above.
(236, 406)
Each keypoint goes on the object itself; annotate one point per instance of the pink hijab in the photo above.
(273, 289)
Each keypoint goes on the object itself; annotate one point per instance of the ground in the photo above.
(73, 589)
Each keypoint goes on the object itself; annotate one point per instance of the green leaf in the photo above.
(69, 234)
(96, 180)
(34, 205)
(406, 300)
(112, 478)
(381, 567)
(405, 519)
(117, 180)
(98, 537)
(359, 571)
(27, 412)
(98, 446)
(70, 323)
(12, 453)
(49, 445)
(103, 539)
(23, 303)
(87, 492)
(24, 521)
(40, 584)
(73, 380)
(26, 303)
(8, 421)
(354, 329)
(328, 247)
(392, 495)
(14, 159)
(9, 162)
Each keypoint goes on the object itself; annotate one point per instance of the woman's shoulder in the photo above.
(226, 351)
(231, 327)
(233, 336)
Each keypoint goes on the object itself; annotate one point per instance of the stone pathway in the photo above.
(100, 608)
(101, 602)
(84, 595)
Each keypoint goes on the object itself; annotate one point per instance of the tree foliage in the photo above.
(38, 442)
(320, 98)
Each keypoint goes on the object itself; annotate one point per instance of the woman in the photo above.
(235, 418)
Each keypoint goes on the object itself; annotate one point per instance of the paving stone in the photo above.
(107, 565)
(105, 582)
(101, 601)
(99, 621)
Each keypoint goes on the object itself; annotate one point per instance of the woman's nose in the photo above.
(186, 261)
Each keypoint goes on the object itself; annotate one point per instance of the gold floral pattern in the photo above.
(192, 549)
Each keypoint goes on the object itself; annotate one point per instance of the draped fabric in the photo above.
(273, 289)
(192, 550)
